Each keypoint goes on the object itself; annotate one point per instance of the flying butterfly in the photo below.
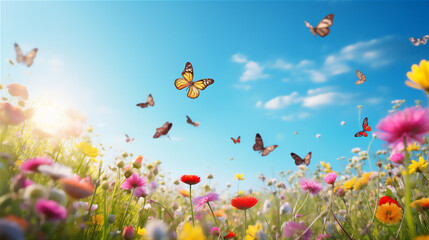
(361, 76)
(163, 130)
(236, 140)
(299, 160)
(417, 41)
(323, 27)
(28, 59)
(366, 128)
(187, 81)
(149, 102)
(195, 124)
(259, 146)
(128, 139)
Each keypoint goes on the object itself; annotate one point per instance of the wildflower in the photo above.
(19, 181)
(327, 167)
(87, 149)
(343, 123)
(330, 178)
(229, 235)
(323, 236)
(388, 213)
(252, 230)
(244, 202)
(387, 199)
(98, 219)
(239, 176)
(111, 218)
(267, 206)
(349, 184)
(128, 233)
(419, 166)
(240, 193)
(34, 192)
(23, 224)
(200, 201)
(18, 90)
(51, 210)
(77, 188)
(411, 123)
(138, 162)
(425, 237)
(141, 232)
(311, 186)
(293, 229)
(133, 182)
(140, 192)
(56, 171)
(57, 195)
(285, 208)
(11, 115)
(184, 192)
(210, 176)
(413, 147)
(191, 233)
(32, 164)
(361, 183)
(419, 76)
(355, 150)
(422, 203)
(190, 179)
(318, 135)
(156, 230)
(397, 158)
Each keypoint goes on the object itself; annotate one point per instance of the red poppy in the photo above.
(190, 179)
(244, 202)
(229, 235)
(387, 199)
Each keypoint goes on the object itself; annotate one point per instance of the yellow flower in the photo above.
(361, 183)
(421, 204)
(240, 193)
(99, 218)
(191, 233)
(418, 166)
(87, 149)
(141, 232)
(388, 213)
(349, 184)
(252, 230)
(389, 181)
(184, 192)
(414, 147)
(419, 76)
(425, 237)
(327, 167)
(368, 175)
(239, 176)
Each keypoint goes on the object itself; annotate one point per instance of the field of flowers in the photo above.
(60, 187)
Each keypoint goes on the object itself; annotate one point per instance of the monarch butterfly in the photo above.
(323, 27)
(28, 59)
(163, 130)
(259, 146)
(195, 124)
(418, 41)
(128, 139)
(361, 76)
(187, 81)
(147, 103)
(299, 160)
(366, 128)
(236, 140)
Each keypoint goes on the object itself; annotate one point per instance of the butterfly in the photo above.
(259, 146)
(296, 133)
(187, 81)
(418, 41)
(128, 139)
(323, 27)
(236, 140)
(163, 130)
(28, 59)
(299, 160)
(366, 128)
(147, 103)
(361, 77)
(231, 158)
(188, 120)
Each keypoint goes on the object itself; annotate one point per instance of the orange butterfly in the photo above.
(361, 77)
(366, 128)
(236, 140)
(187, 81)
(323, 27)
(28, 59)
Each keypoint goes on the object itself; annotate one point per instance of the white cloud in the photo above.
(281, 101)
(304, 63)
(317, 76)
(324, 96)
(282, 65)
(321, 99)
(239, 58)
(253, 71)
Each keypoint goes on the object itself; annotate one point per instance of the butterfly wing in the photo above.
(259, 144)
(29, 58)
(424, 39)
(163, 130)
(269, 149)
(235, 141)
(323, 27)
(188, 76)
(142, 105)
(194, 89)
(238, 139)
(307, 159)
(298, 159)
(365, 125)
(361, 77)
(414, 41)
(360, 134)
(188, 120)
(19, 56)
(310, 27)
(150, 100)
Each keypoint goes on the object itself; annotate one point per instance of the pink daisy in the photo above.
(200, 201)
(31, 165)
(51, 210)
(133, 182)
(311, 186)
(411, 123)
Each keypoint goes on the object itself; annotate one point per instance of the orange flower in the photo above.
(77, 189)
(421, 204)
(184, 193)
(18, 90)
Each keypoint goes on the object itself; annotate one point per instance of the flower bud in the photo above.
(155, 171)
(209, 176)
(111, 218)
(128, 173)
(138, 162)
(34, 192)
(174, 206)
(176, 182)
(149, 166)
(57, 195)
(120, 164)
(105, 185)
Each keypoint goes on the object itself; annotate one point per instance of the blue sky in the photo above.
(272, 76)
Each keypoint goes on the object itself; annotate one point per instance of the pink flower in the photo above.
(51, 210)
(19, 181)
(330, 178)
(397, 158)
(133, 182)
(214, 231)
(140, 192)
(18, 90)
(323, 236)
(200, 201)
(10, 114)
(31, 165)
(128, 233)
(411, 123)
(293, 229)
(311, 186)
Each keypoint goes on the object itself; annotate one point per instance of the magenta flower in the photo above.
(330, 178)
(140, 192)
(51, 210)
(323, 236)
(293, 229)
(200, 201)
(411, 123)
(311, 186)
(397, 158)
(133, 182)
(214, 231)
(31, 165)
(128, 233)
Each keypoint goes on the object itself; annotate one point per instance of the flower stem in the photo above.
(190, 200)
(105, 216)
(114, 190)
(245, 220)
(211, 210)
(341, 225)
(305, 200)
(126, 209)
(411, 227)
(376, 200)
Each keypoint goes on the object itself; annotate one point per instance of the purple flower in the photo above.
(133, 182)
(51, 210)
(293, 229)
(140, 192)
(311, 186)
(152, 187)
(31, 165)
(200, 201)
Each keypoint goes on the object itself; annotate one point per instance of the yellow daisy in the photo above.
(87, 149)
(419, 166)
(389, 213)
(419, 76)
(239, 177)
(349, 184)
(413, 147)
(361, 183)
(252, 230)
